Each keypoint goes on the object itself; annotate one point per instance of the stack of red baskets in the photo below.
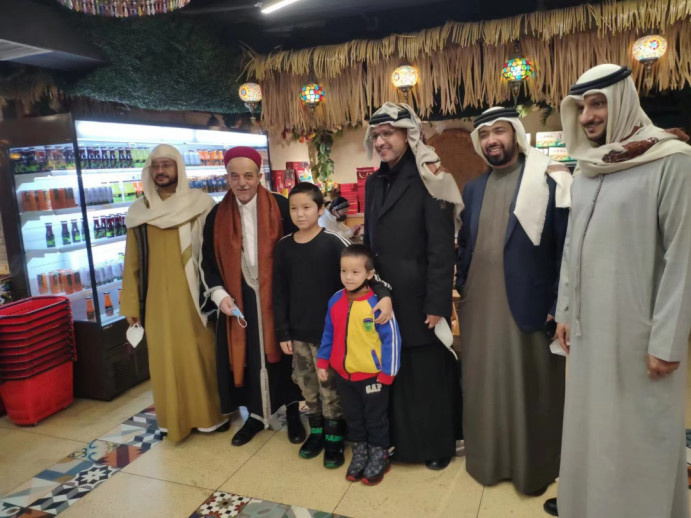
(36, 355)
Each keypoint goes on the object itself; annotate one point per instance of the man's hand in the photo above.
(658, 368)
(436, 169)
(386, 310)
(432, 321)
(133, 320)
(323, 375)
(356, 230)
(287, 347)
(227, 306)
(564, 336)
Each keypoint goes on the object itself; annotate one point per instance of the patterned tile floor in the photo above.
(106, 460)
(56, 488)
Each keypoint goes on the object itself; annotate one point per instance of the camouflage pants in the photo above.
(321, 398)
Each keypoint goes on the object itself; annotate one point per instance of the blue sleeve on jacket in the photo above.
(390, 337)
(324, 352)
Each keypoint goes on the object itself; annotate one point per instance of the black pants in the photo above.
(365, 406)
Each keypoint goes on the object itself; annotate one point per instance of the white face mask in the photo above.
(134, 334)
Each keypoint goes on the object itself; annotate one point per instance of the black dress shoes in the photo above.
(296, 430)
(244, 435)
(538, 492)
(550, 507)
(438, 464)
(224, 427)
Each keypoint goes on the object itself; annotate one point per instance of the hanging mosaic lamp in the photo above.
(649, 49)
(311, 94)
(405, 78)
(515, 71)
(124, 8)
(251, 95)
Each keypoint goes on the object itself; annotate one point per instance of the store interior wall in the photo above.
(348, 152)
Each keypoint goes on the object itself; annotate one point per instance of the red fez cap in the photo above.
(243, 152)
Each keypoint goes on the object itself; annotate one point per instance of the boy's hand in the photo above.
(323, 375)
(287, 347)
(385, 307)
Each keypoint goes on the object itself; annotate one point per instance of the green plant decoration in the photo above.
(320, 154)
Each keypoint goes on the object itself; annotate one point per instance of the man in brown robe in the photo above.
(510, 248)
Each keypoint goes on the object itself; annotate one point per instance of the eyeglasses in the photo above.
(385, 134)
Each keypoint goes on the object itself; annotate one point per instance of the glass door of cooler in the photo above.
(111, 157)
(52, 225)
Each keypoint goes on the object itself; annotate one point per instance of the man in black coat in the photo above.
(409, 226)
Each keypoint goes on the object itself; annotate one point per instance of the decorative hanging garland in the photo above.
(124, 8)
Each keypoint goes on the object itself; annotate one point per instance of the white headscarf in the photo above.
(186, 210)
(533, 193)
(440, 186)
(628, 127)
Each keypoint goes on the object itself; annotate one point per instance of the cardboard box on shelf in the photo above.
(545, 139)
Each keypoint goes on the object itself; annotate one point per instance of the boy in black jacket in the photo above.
(307, 274)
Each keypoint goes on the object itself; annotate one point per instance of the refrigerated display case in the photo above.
(67, 186)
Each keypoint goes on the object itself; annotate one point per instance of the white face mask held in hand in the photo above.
(443, 332)
(134, 334)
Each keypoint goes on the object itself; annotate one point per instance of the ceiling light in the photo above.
(277, 5)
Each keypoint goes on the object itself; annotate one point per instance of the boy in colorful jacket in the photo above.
(366, 357)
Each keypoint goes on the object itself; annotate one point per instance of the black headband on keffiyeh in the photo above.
(495, 113)
(600, 82)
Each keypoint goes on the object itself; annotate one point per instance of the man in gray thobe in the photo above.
(510, 247)
(624, 307)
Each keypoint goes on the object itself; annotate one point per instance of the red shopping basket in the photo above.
(32, 400)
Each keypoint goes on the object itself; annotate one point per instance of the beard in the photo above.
(164, 181)
(506, 156)
(341, 217)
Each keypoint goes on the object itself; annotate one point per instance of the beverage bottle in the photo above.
(28, 201)
(128, 157)
(104, 226)
(95, 154)
(50, 237)
(68, 284)
(66, 238)
(85, 277)
(41, 161)
(119, 295)
(76, 234)
(43, 200)
(90, 310)
(50, 160)
(69, 197)
(105, 158)
(109, 194)
(68, 155)
(123, 225)
(118, 225)
(97, 229)
(113, 158)
(110, 227)
(42, 279)
(77, 281)
(130, 193)
(54, 201)
(122, 160)
(139, 189)
(55, 284)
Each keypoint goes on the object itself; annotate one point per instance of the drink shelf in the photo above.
(107, 320)
(40, 252)
(107, 240)
(191, 170)
(32, 215)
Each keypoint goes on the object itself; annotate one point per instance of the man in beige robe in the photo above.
(160, 289)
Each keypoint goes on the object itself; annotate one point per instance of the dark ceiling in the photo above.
(320, 22)
(309, 23)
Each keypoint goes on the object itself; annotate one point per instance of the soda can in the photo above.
(98, 271)
(108, 273)
(85, 276)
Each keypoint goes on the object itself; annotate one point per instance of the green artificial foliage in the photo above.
(323, 165)
(165, 62)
